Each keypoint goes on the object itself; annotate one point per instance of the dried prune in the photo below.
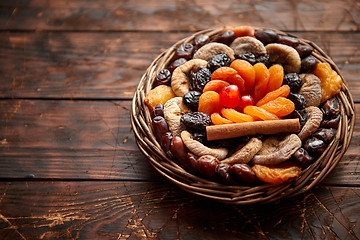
(191, 99)
(225, 37)
(196, 121)
(200, 41)
(206, 166)
(293, 80)
(331, 108)
(160, 127)
(302, 157)
(314, 146)
(243, 174)
(266, 36)
(199, 136)
(222, 172)
(331, 123)
(248, 56)
(304, 50)
(178, 62)
(162, 78)
(308, 64)
(219, 60)
(199, 77)
(185, 50)
(300, 114)
(166, 143)
(298, 100)
(263, 59)
(287, 40)
(158, 110)
(325, 134)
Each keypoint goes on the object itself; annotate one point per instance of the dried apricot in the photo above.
(229, 75)
(282, 91)
(276, 77)
(262, 76)
(217, 119)
(236, 116)
(279, 106)
(160, 94)
(261, 113)
(215, 85)
(246, 71)
(331, 82)
(241, 31)
(277, 174)
(209, 102)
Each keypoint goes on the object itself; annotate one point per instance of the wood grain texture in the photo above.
(93, 140)
(110, 65)
(130, 210)
(185, 15)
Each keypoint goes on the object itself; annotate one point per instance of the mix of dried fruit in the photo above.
(243, 76)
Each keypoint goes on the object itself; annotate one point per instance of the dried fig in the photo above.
(246, 153)
(285, 55)
(209, 50)
(311, 89)
(242, 45)
(314, 117)
(173, 110)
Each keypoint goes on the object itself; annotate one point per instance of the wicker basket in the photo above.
(236, 194)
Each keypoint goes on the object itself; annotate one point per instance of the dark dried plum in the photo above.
(298, 100)
(200, 41)
(243, 174)
(308, 64)
(314, 146)
(199, 77)
(196, 121)
(185, 50)
(225, 37)
(219, 60)
(325, 134)
(222, 172)
(287, 40)
(304, 50)
(331, 108)
(331, 123)
(160, 127)
(158, 110)
(178, 62)
(266, 36)
(300, 114)
(302, 157)
(191, 99)
(248, 56)
(199, 136)
(293, 80)
(206, 166)
(162, 78)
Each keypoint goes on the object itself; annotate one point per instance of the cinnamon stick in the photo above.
(233, 130)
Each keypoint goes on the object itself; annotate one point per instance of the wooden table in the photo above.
(69, 165)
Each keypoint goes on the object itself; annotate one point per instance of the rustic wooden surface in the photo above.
(69, 165)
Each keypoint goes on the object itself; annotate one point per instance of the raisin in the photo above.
(191, 99)
(200, 41)
(287, 40)
(243, 174)
(308, 64)
(178, 62)
(266, 36)
(293, 80)
(219, 60)
(196, 121)
(162, 78)
(249, 56)
(158, 110)
(331, 108)
(263, 59)
(199, 77)
(331, 123)
(325, 134)
(298, 100)
(314, 146)
(300, 114)
(206, 166)
(222, 171)
(185, 50)
(199, 136)
(304, 50)
(225, 37)
(302, 157)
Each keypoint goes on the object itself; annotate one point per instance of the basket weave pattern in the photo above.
(236, 194)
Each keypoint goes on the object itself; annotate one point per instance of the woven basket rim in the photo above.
(237, 194)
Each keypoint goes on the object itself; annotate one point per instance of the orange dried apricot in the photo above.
(246, 71)
(241, 31)
(276, 174)
(261, 113)
(262, 76)
(279, 106)
(160, 94)
(229, 75)
(236, 116)
(331, 82)
(215, 85)
(217, 119)
(209, 102)
(282, 91)
(276, 77)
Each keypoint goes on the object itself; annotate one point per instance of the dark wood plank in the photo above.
(122, 210)
(110, 65)
(93, 140)
(163, 15)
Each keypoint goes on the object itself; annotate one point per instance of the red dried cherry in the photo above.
(230, 96)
